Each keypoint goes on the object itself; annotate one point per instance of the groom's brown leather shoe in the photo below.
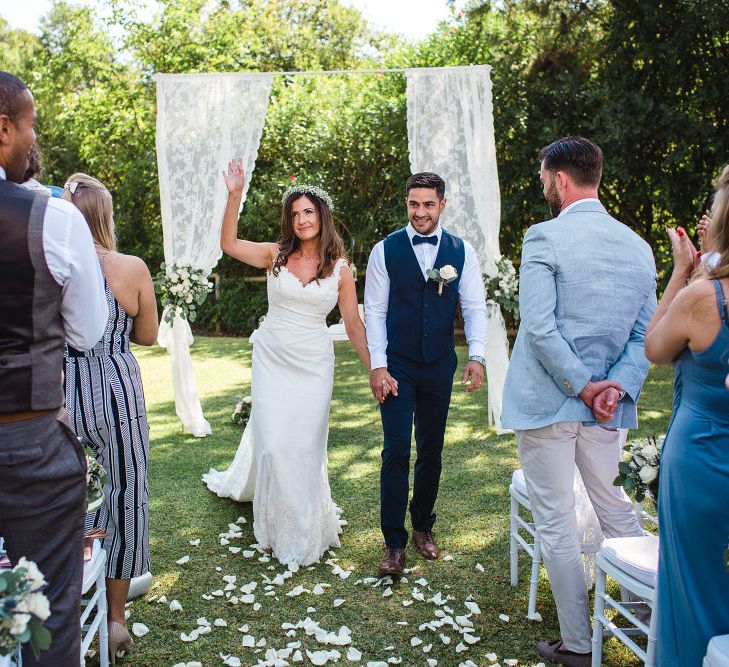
(425, 544)
(557, 652)
(393, 562)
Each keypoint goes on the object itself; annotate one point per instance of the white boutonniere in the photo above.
(443, 276)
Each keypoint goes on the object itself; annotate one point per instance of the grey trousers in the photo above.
(548, 457)
(42, 505)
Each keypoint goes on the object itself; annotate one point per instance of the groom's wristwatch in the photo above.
(481, 360)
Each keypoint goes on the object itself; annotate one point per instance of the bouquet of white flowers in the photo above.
(242, 412)
(638, 471)
(502, 286)
(23, 609)
(182, 288)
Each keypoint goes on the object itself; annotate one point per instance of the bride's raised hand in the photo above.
(234, 176)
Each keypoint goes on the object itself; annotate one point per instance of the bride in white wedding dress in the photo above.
(281, 463)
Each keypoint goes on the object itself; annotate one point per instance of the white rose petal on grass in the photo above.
(175, 606)
(338, 602)
(139, 629)
(195, 543)
(504, 618)
(234, 550)
(460, 647)
(470, 639)
(479, 567)
(183, 560)
(248, 554)
(445, 639)
(387, 592)
(421, 582)
(191, 637)
(375, 663)
(218, 594)
(241, 519)
(448, 557)
(492, 657)
(406, 603)
(394, 661)
(162, 599)
(249, 641)
(310, 610)
(511, 662)
(427, 647)
(353, 655)
(297, 590)
(415, 641)
(256, 606)
(219, 622)
(472, 607)
(535, 616)
(432, 662)
(224, 542)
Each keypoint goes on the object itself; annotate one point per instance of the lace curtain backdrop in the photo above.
(451, 133)
(203, 120)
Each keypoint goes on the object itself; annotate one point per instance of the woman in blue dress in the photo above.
(691, 330)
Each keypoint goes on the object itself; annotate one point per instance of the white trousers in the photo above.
(548, 457)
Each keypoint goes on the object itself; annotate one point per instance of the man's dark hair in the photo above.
(428, 180)
(577, 156)
(11, 89)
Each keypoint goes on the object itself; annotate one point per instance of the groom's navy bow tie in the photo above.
(433, 240)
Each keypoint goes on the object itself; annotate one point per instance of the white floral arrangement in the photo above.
(443, 276)
(502, 286)
(182, 289)
(23, 609)
(639, 469)
(95, 480)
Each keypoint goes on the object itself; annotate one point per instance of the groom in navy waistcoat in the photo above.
(415, 279)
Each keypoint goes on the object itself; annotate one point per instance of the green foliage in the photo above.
(643, 79)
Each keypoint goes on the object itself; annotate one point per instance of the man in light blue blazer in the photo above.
(587, 293)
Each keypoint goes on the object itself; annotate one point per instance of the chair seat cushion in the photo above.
(518, 482)
(717, 653)
(636, 556)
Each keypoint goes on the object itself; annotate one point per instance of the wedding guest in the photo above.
(105, 401)
(587, 293)
(690, 329)
(51, 291)
(33, 173)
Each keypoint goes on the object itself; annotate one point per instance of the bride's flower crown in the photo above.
(305, 189)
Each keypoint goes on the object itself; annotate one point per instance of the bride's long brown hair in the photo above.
(331, 246)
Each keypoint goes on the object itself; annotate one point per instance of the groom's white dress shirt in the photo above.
(377, 295)
(71, 259)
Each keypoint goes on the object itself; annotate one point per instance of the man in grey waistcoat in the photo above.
(51, 291)
(586, 295)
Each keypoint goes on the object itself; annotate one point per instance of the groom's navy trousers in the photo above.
(424, 394)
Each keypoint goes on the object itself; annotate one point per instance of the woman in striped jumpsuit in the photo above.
(105, 402)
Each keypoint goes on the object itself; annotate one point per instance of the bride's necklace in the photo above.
(308, 260)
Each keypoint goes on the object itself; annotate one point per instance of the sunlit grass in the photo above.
(472, 526)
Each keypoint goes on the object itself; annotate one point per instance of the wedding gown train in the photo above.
(281, 462)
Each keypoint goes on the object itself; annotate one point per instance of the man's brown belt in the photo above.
(21, 416)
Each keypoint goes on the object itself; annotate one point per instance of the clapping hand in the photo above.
(702, 231)
(235, 177)
(685, 257)
(382, 384)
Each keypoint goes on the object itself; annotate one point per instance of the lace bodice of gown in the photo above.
(286, 292)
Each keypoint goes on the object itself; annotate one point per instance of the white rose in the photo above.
(38, 605)
(188, 298)
(174, 277)
(186, 284)
(648, 474)
(20, 623)
(248, 400)
(497, 292)
(650, 452)
(448, 272)
(184, 274)
(34, 575)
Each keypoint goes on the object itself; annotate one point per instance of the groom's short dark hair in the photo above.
(11, 88)
(577, 156)
(426, 179)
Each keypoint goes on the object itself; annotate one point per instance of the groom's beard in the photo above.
(554, 201)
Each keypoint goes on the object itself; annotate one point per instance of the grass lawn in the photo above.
(472, 527)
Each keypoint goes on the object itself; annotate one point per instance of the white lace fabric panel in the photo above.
(203, 121)
(451, 133)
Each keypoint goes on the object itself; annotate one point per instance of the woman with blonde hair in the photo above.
(105, 402)
(281, 463)
(690, 329)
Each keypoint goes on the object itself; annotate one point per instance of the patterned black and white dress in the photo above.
(105, 403)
